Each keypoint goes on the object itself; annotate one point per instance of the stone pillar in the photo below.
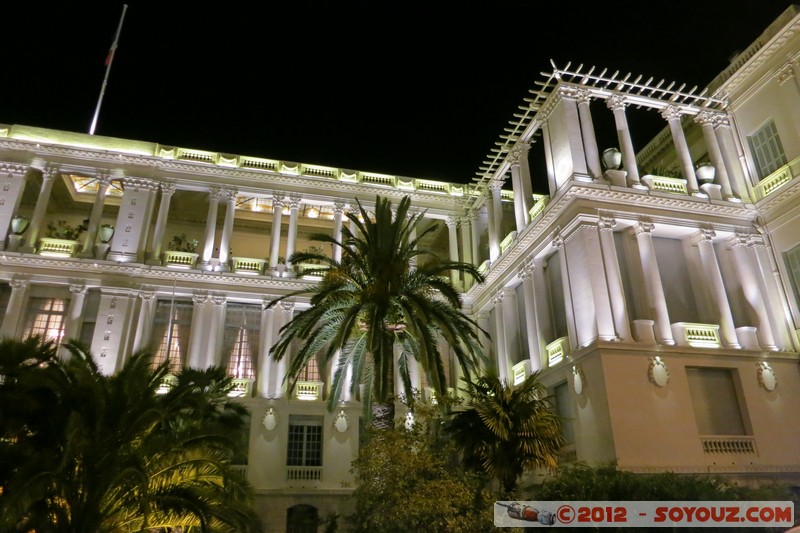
(89, 240)
(287, 312)
(466, 247)
(214, 195)
(12, 185)
(652, 282)
(15, 309)
(484, 339)
(74, 318)
(412, 262)
(291, 240)
(495, 219)
(548, 156)
(48, 174)
(617, 105)
(112, 331)
(266, 365)
(133, 220)
(569, 156)
(706, 121)
(167, 190)
(672, 115)
(216, 324)
(708, 257)
(511, 325)
(500, 343)
(730, 157)
(227, 229)
(198, 345)
(452, 225)
(338, 213)
(144, 325)
(572, 331)
(144, 241)
(275, 241)
(520, 174)
(544, 322)
(616, 293)
(772, 290)
(589, 139)
(531, 322)
(745, 266)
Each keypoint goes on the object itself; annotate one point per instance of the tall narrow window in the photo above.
(715, 400)
(304, 447)
(793, 263)
(46, 317)
(241, 339)
(171, 329)
(767, 150)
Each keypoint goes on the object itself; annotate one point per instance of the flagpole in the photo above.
(109, 60)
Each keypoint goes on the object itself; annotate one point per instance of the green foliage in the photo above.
(82, 451)
(182, 243)
(373, 301)
(62, 230)
(411, 480)
(506, 429)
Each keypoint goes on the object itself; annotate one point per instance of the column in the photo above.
(227, 228)
(616, 293)
(652, 282)
(413, 211)
(531, 323)
(745, 260)
(495, 219)
(589, 139)
(522, 200)
(74, 318)
(103, 181)
(500, 344)
(199, 329)
(672, 115)
(265, 368)
(544, 320)
(214, 195)
(144, 325)
(133, 220)
(338, 213)
(291, 240)
(167, 190)
(474, 237)
(287, 312)
(570, 158)
(466, 248)
(772, 289)
(706, 121)
(730, 156)
(483, 338)
(559, 243)
(12, 185)
(708, 257)
(112, 332)
(48, 174)
(511, 325)
(548, 156)
(150, 200)
(216, 323)
(452, 225)
(15, 309)
(617, 105)
(275, 242)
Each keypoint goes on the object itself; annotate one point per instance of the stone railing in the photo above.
(538, 207)
(506, 243)
(240, 387)
(776, 180)
(58, 247)
(180, 259)
(248, 265)
(304, 473)
(664, 184)
(308, 390)
(728, 444)
(520, 371)
(484, 267)
(696, 335)
(557, 351)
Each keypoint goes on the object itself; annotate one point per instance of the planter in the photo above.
(19, 225)
(105, 233)
(612, 158)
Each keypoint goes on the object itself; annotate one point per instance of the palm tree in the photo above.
(506, 429)
(373, 301)
(80, 451)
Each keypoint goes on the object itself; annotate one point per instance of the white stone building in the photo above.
(663, 311)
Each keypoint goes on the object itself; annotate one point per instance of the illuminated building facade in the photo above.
(661, 307)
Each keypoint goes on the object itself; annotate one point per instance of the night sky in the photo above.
(397, 88)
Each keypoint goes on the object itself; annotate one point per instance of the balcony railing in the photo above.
(776, 180)
(520, 371)
(57, 247)
(664, 184)
(539, 206)
(728, 444)
(240, 387)
(175, 259)
(304, 473)
(696, 335)
(506, 243)
(308, 390)
(248, 265)
(557, 351)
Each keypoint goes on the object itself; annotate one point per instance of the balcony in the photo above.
(776, 180)
(57, 247)
(520, 371)
(308, 390)
(248, 265)
(174, 259)
(506, 243)
(664, 184)
(696, 335)
(240, 387)
(557, 351)
(728, 444)
(304, 473)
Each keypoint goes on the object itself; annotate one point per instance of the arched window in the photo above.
(302, 518)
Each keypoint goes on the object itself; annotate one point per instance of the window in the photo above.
(304, 447)
(793, 264)
(302, 518)
(46, 317)
(171, 329)
(715, 400)
(767, 150)
(241, 338)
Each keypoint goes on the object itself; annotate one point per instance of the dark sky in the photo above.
(398, 88)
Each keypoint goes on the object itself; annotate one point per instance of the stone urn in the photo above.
(705, 173)
(105, 233)
(612, 158)
(19, 224)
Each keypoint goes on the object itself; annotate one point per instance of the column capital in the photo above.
(583, 96)
(495, 185)
(219, 298)
(287, 306)
(644, 227)
(139, 183)
(785, 73)
(451, 221)
(497, 299)
(147, 294)
(13, 169)
(231, 193)
(721, 121)
(77, 288)
(277, 200)
(214, 193)
(671, 112)
(517, 152)
(703, 236)
(705, 118)
(568, 93)
(103, 177)
(616, 102)
(606, 223)
(19, 283)
(558, 239)
(295, 202)
(266, 300)
(200, 297)
(338, 208)
(525, 271)
(167, 188)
